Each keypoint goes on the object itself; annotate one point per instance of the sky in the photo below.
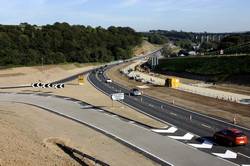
(142, 15)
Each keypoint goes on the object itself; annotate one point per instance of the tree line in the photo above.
(27, 44)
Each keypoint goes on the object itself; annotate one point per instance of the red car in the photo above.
(231, 136)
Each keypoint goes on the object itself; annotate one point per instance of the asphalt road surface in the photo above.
(165, 150)
(201, 127)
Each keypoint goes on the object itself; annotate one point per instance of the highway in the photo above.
(200, 126)
(164, 150)
(187, 127)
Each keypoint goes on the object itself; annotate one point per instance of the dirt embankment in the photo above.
(30, 136)
(49, 73)
(206, 105)
(144, 48)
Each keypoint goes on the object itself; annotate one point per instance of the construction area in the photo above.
(186, 94)
(136, 72)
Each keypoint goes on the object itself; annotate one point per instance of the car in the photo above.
(108, 81)
(231, 137)
(135, 92)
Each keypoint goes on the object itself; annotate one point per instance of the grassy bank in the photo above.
(216, 68)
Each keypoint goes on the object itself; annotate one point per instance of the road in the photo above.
(200, 126)
(164, 150)
(189, 128)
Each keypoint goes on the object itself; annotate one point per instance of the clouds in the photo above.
(190, 15)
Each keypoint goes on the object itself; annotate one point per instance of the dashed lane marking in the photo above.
(207, 126)
(174, 114)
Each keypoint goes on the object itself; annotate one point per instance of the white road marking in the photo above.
(205, 145)
(207, 126)
(173, 113)
(245, 165)
(187, 136)
(228, 155)
(150, 105)
(170, 130)
(244, 155)
(86, 106)
(98, 110)
(131, 122)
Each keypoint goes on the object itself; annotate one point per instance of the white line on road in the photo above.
(244, 155)
(205, 145)
(150, 105)
(170, 130)
(228, 155)
(173, 113)
(187, 136)
(207, 126)
(86, 106)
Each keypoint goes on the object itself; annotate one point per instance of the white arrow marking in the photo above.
(170, 130)
(206, 145)
(228, 155)
(187, 136)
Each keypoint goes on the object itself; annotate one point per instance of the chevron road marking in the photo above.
(170, 130)
(228, 155)
(187, 136)
(205, 145)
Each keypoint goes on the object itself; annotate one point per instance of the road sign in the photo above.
(59, 86)
(80, 80)
(117, 96)
(37, 85)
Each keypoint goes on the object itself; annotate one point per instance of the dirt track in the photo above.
(206, 105)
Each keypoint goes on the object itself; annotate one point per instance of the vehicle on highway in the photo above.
(100, 72)
(108, 81)
(135, 92)
(231, 137)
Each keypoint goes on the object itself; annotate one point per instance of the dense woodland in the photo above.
(26, 44)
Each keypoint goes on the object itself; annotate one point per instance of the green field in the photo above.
(218, 68)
